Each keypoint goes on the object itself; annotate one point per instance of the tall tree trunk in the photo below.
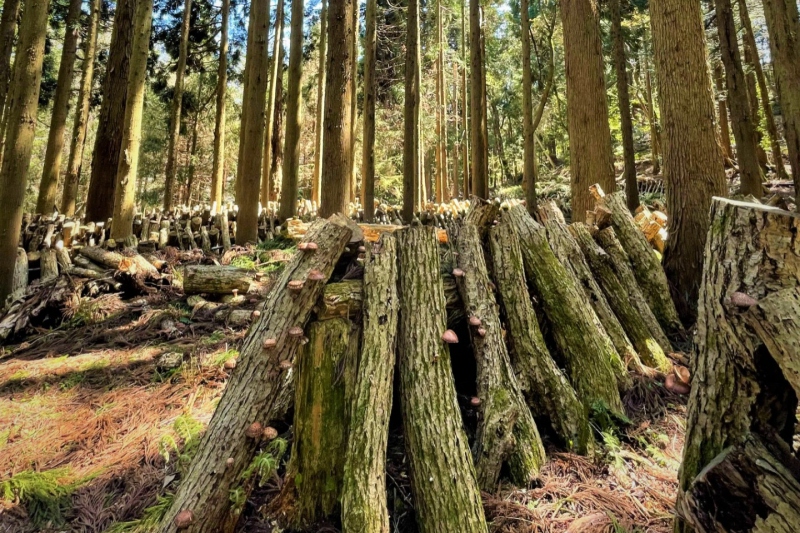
(23, 105)
(316, 178)
(441, 150)
(244, 115)
(722, 113)
(744, 130)
(624, 104)
(692, 160)
(175, 109)
(274, 111)
(784, 42)
(479, 171)
(528, 145)
(338, 92)
(411, 133)
(122, 224)
(192, 153)
(465, 124)
(218, 166)
(255, 94)
(368, 143)
(81, 113)
(655, 133)
(110, 121)
(354, 100)
(291, 152)
(276, 146)
(591, 159)
(457, 134)
(8, 29)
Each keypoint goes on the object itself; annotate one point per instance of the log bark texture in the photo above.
(364, 490)
(259, 390)
(212, 279)
(443, 482)
(506, 431)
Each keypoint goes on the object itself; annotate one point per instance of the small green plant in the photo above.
(244, 261)
(266, 463)
(151, 517)
(278, 243)
(220, 358)
(43, 495)
(188, 431)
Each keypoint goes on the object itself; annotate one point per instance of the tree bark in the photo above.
(466, 127)
(274, 159)
(411, 142)
(110, 121)
(370, 92)
(528, 145)
(364, 489)
(722, 113)
(356, 11)
(291, 166)
(319, 128)
(8, 30)
(273, 120)
(125, 190)
(19, 275)
(479, 170)
(655, 133)
(218, 165)
(212, 279)
(587, 352)
(260, 390)
(23, 106)
(443, 481)
(740, 387)
(336, 149)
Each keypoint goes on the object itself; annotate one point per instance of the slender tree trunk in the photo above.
(276, 146)
(411, 144)
(8, 29)
(441, 150)
(692, 160)
(255, 93)
(443, 89)
(783, 25)
(190, 166)
(273, 120)
(368, 143)
(243, 117)
(722, 113)
(528, 145)
(218, 166)
(772, 130)
(23, 105)
(291, 152)
(110, 121)
(465, 124)
(316, 178)
(479, 174)
(744, 130)
(354, 101)
(81, 113)
(124, 192)
(457, 134)
(655, 133)
(591, 159)
(338, 92)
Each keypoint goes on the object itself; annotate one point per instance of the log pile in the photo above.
(325, 340)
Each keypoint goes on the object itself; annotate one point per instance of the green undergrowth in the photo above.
(45, 495)
(261, 469)
(188, 430)
(278, 243)
(151, 517)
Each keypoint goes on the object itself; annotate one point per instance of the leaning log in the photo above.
(739, 387)
(446, 494)
(260, 389)
(364, 490)
(216, 279)
(547, 390)
(586, 349)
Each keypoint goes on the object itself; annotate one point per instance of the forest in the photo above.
(399, 266)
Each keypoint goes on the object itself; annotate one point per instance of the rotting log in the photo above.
(446, 494)
(619, 298)
(295, 228)
(738, 386)
(547, 390)
(364, 489)
(586, 350)
(313, 482)
(20, 282)
(260, 388)
(644, 262)
(753, 486)
(607, 240)
(506, 433)
(115, 260)
(216, 279)
(48, 265)
(571, 256)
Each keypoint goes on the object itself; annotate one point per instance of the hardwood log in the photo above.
(20, 275)
(364, 489)
(48, 265)
(547, 390)
(446, 494)
(216, 279)
(115, 260)
(586, 350)
(259, 390)
(619, 299)
(506, 431)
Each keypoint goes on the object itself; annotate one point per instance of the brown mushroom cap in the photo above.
(474, 321)
(475, 401)
(458, 273)
(269, 433)
(302, 246)
(269, 344)
(295, 331)
(230, 364)
(316, 275)
(312, 247)
(482, 332)
(254, 430)
(229, 462)
(256, 313)
(296, 285)
(184, 519)
(450, 337)
(285, 364)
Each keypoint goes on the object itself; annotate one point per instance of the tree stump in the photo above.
(446, 494)
(506, 431)
(48, 265)
(260, 389)
(587, 351)
(20, 282)
(547, 390)
(364, 489)
(739, 385)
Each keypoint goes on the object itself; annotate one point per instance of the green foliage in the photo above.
(188, 431)
(266, 463)
(43, 495)
(151, 518)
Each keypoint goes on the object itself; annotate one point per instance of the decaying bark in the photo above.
(587, 351)
(20, 280)
(443, 481)
(260, 388)
(48, 265)
(212, 279)
(549, 393)
(118, 261)
(364, 490)
(506, 431)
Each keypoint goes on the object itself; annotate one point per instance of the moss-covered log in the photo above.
(216, 279)
(619, 298)
(620, 262)
(738, 386)
(547, 390)
(587, 351)
(569, 253)
(506, 431)
(446, 494)
(260, 389)
(644, 262)
(364, 490)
